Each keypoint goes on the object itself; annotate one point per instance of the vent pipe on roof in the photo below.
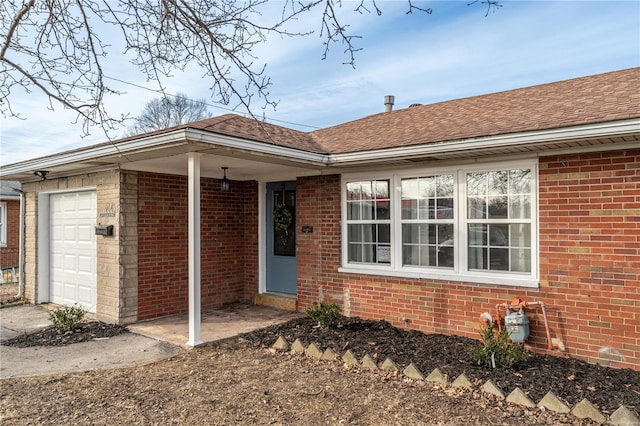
(388, 103)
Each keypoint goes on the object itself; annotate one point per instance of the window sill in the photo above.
(443, 276)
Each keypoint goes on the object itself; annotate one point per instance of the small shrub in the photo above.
(67, 318)
(325, 314)
(497, 349)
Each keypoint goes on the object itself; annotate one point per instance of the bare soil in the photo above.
(8, 293)
(241, 381)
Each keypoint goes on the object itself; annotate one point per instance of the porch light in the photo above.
(42, 174)
(224, 184)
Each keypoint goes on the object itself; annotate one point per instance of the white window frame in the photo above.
(460, 272)
(3, 224)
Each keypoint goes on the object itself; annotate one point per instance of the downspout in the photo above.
(21, 247)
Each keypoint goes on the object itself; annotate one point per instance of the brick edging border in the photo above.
(623, 416)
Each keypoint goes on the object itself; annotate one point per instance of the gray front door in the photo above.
(281, 238)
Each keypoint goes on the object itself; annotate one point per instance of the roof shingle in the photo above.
(594, 99)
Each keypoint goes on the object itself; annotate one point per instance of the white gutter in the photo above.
(589, 131)
(186, 136)
(255, 147)
(174, 138)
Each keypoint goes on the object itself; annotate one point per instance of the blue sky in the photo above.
(453, 53)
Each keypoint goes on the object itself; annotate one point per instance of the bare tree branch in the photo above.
(57, 47)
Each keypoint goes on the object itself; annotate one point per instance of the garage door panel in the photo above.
(85, 234)
(69, 264)
(85, 264)
(73, 249)
(69, 234)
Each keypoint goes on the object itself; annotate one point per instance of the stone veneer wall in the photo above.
(116, 262)
(589, 226)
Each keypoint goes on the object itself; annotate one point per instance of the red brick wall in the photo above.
(589, 263)
(228, 230)
(9, 255)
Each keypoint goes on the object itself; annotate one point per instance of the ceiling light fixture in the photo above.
(224, 183)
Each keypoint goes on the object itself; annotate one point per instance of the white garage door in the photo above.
(73, 249)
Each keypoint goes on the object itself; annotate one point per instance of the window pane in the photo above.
(369, 233)
(432, 234)
(477, 235)
(444, 186)
(409, 209)
(355, 233)
(427, 187)
(382, 189)
(445, 233)
(368, 253)
(426, 208)
(477, 258)
(367, 210)
(476, 208)
(499, 259)
(409, 188)
(521, 260)
(366, 192)
(497, 208)
(520, 234)
(428, 256)
(498, 235)
(353, 191)
(445, 208)
(410, 233)
(497, 183)
(355, 253)
(476, 183)
(411, 255)
(384, 235)
(383, 210)
(520, 181)
(445, 257)
(520, 207)
(353, 211)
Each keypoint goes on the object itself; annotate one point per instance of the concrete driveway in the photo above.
(119, 351)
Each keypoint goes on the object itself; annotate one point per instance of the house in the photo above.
(425, 216)
(9, 231)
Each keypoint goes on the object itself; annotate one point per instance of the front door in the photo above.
(281, 238)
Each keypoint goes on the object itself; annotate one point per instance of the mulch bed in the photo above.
(569, 379)
(51, 337)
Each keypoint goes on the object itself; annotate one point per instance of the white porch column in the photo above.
(194, 249)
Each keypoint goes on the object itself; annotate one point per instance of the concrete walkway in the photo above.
(148, 341)
(216, 324)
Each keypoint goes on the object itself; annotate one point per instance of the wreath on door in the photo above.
(282, 220)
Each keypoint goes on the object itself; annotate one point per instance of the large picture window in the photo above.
(466, 224)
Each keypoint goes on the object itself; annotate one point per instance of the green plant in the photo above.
(497, 349)
(67, 318)
(325, 314)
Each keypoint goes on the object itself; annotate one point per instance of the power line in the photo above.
(160, 92)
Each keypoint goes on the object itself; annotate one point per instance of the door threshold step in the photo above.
(288, 302)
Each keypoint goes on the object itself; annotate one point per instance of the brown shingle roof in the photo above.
(595, 99)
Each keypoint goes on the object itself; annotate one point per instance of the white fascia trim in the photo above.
(176, 137)
(256, 147)
(589, 131)
(472, 279)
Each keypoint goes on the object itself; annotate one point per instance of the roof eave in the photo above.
(530, 141)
